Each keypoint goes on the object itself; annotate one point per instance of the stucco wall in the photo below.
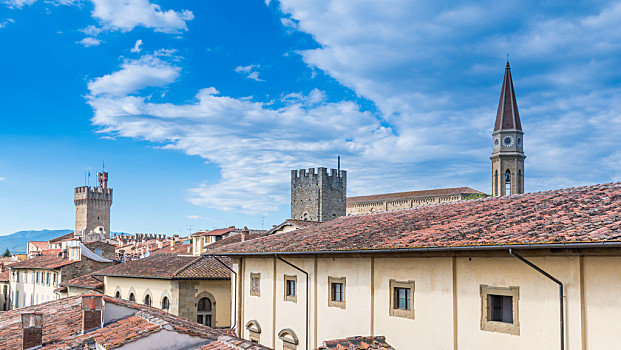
(447, 300)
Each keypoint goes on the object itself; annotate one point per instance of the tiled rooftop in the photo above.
(357, 343)
(41, 245)
(575, 215)
(87, 281)
(43, 262)
(62, 327)
(62, 238)
(178, 248)
(169, 266)
(413, 194)
(216, 232)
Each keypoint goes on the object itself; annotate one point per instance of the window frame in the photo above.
(393, 311)
(294, 297)
(331, 300)
(256, 292)
(499, 326)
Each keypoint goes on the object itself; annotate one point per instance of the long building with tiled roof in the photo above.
(93, 321)
(495, 272)
(378, 203)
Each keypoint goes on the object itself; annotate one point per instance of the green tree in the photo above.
(476, 196)
(7, 252)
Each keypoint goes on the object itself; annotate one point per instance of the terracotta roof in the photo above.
(4, 276)
(413, 194)
(357, 343)
(62, 238)
(178, 248)
(169, 266)
(216, 232)
(86, 281)
(507, 116)
(228, 342)
(51, 252)
(41, 245)
(576, 215)
(62, 320)
(43, 262)
(232, 239)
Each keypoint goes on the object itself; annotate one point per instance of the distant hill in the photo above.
(16, 242)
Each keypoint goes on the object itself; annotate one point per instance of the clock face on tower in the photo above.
(507, 141)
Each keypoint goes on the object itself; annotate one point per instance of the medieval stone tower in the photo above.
(508, 143)
(318, 196)
(92, 210)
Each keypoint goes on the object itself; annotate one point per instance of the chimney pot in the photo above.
(32, 330)
(245, 234)
(92, 306)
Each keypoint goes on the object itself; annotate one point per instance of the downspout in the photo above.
(235, 273)
(307, 304)
(560, 287)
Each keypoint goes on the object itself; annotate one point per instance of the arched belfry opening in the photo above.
(508, 182)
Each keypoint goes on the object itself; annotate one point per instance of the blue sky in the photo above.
(201, 108)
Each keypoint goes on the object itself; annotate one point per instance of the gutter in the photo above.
(307, 301)
(235, 303)
(560, 287)
(434, 249)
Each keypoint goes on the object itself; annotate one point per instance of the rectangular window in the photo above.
(17, 276)
(255, 284)
(290, 288)
(402, 299)
(37, 280)
(47, 278)
(336, 292)
(499, 309)
(54, 278)
(16, 299)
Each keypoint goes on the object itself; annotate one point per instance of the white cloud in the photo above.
(92, 30)
(136, 47)
(5, 23)
(249, 71)
(89, 41)
(134, 76)
(125, 15)
(1, 178)
(18, 3)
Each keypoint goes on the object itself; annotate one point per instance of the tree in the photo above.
(6, 252)
(476, 196)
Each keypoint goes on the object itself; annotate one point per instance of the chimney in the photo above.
(92, 307)
(32, 330)
(245, 234)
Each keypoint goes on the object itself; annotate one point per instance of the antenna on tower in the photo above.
(103, 166)
(338, 165)
(507, 57)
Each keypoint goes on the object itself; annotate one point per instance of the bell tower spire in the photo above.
(508, 143)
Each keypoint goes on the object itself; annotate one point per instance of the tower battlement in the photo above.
(318, 194)
(92, 210)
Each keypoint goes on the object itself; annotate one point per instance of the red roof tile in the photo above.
(43, 262)
(413, 194)
(41, 245)
(62, 238)
(357, 343)
(576, 215)
(178, 248)
(216, 232)
(87, 281)
(62, 326)
(169, 266)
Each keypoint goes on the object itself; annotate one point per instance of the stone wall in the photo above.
(318, 196)
(379, 206)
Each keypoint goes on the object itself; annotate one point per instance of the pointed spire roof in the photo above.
(507, 116)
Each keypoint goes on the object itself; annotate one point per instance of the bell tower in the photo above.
(508, 143)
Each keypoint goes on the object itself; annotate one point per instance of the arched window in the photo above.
(132, 298)
(147, 300)
(203, 314)
(496, 184)
(254, 331)
(289, 339)
(508, 182)
(117, 294)
(165, 303)
(519, 182)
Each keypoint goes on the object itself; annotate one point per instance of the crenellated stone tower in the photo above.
(508, 143)
(318, 196)
(92, 210)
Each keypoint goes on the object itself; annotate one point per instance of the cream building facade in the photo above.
(195, 288)
(450, 276)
